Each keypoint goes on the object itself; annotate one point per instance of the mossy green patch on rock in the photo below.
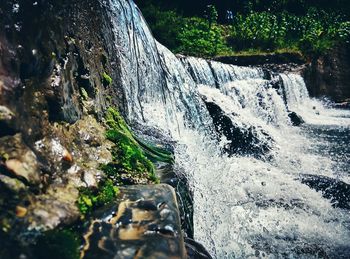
(60, 244)
(107, 80)
(128, 155)
(92, 198)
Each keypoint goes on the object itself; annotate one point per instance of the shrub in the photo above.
(313, 33)
(199, 39)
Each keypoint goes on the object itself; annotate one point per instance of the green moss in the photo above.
(92, 198)
(60, 244)
(107, 80)
(132, 161)
(128, 155)
(131, 154)
(83, 93)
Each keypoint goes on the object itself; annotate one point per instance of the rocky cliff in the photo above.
(329, 75)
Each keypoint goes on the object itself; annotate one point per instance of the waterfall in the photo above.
(236, 145)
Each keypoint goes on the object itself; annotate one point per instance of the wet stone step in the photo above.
(143, 222)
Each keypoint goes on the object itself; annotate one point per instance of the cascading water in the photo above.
(244, 205)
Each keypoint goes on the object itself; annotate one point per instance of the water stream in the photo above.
(245, 205)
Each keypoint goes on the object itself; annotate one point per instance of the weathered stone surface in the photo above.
(142, 223)
(52, 58)
(329, 75)
(13, 184)
(56, 206)
(18, 159)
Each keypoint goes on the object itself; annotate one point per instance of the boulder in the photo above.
(143, 222)
(295, 119)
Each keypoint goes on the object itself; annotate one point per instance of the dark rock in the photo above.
(18, 160)
(279, 62)
(242, 141)
(342, 105)
(142, 223)
(296, 119)
(337, 191)
(329, 74)
(6, 122)
(184, 195)
(196, 250)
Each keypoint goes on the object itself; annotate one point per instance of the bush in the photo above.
(197, 38)
(313, 34)
(165, 25)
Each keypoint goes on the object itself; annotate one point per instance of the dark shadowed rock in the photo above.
(329, 75)
(196, 250)
(242, 140)
(337, 191)
(296, 119)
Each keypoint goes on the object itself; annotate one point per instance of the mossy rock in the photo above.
(57, 244)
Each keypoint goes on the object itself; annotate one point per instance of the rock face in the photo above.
(142, 223)
(329, 75)
(54, 61)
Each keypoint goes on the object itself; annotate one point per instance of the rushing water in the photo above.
(244, 205)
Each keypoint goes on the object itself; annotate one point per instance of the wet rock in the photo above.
(7, 126)
(12, 184)
(241, 140)
(5, 113)
(337, 191)
(196, 250)
(142, 223)
(342, 105)
(329, 75)
(56, 206)
(296, 119)
(184, 195)
(20, 161)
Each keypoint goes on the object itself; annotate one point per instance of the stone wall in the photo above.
(329, 75)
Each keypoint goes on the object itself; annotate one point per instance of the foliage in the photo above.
(57, 244)
(211, 14)
(165, 25)
(201, 39)
(92, 198)
(308, 26)
(314, 33)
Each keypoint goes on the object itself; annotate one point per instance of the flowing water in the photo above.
(245, 205)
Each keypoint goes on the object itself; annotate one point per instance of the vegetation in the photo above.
(128, 156)
(59, 244)
(309, 27)
(200, 38)
(93, 198)
(132, 163)
(312, 34)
